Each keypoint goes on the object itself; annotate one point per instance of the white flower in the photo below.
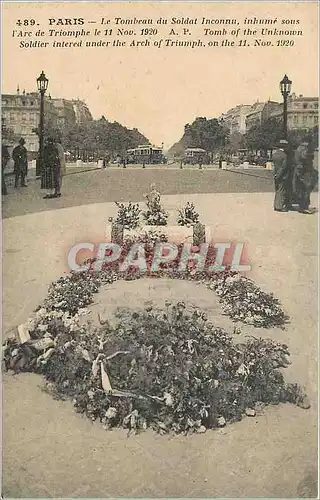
(83, 311)
(41, 313)
(168, 399)
(42, 328)
(242, 370)
(111, 412)
(31, 324)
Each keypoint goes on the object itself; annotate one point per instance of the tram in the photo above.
(192, 156)
(145, 154)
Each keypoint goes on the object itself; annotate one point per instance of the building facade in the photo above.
(303, 112)
(21, 113)
(260, 112)
(235, 118)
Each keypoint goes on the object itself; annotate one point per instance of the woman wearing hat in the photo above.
(51, 171)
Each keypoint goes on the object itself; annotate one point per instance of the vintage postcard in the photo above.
(160, 249)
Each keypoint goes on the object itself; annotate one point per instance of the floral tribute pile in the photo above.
(244, 301)
(170, 370)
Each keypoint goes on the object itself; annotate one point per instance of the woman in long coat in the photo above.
(51, 171)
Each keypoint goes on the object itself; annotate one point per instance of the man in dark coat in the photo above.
(20, 158)
(51, 169)
(306, 177)
(281, 177)
(4, 160)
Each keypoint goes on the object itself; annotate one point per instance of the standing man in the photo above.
(306, 177)
(106, 160)
(4, 160)
(281, 177)
(20, 158)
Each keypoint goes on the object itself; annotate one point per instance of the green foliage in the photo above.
(264, 136)
(202, 133)
(188, 215)
(128, 215)
(235, 142)
(102, 137)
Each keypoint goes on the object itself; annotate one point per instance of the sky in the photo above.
(160, 90)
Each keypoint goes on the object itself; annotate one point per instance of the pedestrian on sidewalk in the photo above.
(4, 160)
(281, 177)
(106, 161)
(51, 172)
(20, 158)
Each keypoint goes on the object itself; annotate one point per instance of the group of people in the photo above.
(294, 177)
(52, 169)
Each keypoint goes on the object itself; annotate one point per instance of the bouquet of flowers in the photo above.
(188, 215)
(128, 215)
(155, 215)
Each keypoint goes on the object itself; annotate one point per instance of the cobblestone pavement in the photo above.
(49, 451)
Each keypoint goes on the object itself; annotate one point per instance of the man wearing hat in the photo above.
(306, 177)
(281, 177)
(20, 158)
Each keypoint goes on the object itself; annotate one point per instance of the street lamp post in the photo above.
(285, 88)
(42, 83)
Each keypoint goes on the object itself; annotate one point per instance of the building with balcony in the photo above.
(303, 112)
(21, 113)
(260, 112)
(235, 118)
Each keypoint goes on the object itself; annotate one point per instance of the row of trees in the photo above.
(99, 137)
(266, 135)
(202, 133)
(213, 136)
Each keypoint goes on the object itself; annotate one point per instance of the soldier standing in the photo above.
(20, 158)
(281, 177)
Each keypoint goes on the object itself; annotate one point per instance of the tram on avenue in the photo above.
(147, 154)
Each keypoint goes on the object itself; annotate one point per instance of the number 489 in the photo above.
(25, 22)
